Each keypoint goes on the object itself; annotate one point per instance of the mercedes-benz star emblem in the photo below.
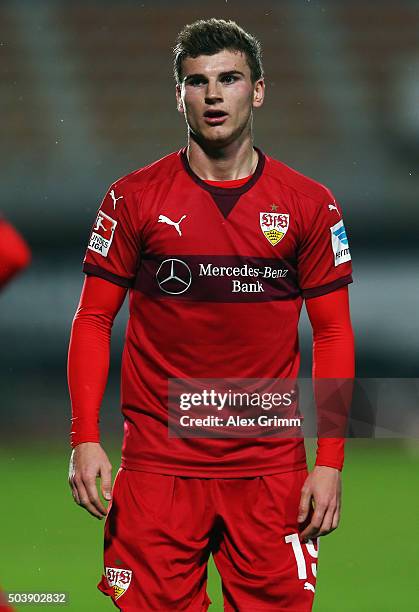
(174, 276)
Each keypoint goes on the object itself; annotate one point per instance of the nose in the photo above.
(213, 92)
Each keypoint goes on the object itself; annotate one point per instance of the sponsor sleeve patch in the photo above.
(340, 244)
(102, 234)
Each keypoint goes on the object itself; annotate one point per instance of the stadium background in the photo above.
(87, 96)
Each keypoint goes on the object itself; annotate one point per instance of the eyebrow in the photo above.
(188, 77)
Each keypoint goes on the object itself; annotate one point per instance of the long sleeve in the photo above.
(333, 358)
(89, 354)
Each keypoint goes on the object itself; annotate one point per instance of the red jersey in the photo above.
(217, 278)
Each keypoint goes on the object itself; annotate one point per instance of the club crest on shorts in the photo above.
(274, 226)
(102, 234)
(119, 579)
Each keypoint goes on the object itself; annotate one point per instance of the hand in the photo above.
(89, 461)
(323, 486)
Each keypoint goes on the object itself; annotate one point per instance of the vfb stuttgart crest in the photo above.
(119, 579)
(274, 226)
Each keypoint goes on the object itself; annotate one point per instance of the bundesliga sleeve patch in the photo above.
(340, 244)
(102, 234)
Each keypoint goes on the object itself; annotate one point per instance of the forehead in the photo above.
(211, 65)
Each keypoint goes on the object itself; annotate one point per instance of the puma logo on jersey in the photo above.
(333, 207)
(309, 587)
(112, 194)
(164, 219)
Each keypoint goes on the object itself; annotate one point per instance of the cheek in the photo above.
(244, 111)
(242, 103)
(191, 106)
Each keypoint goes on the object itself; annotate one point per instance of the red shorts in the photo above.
(160, 531)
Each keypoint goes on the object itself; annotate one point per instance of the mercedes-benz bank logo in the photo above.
(174, 276)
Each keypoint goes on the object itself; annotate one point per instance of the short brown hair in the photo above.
(210, 36)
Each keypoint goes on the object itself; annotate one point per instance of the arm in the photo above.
(333, 357)
(87, 370)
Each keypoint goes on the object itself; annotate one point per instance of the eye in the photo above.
(195, 81)
(229, 78)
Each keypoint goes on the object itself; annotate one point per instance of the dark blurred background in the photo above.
(87, 95)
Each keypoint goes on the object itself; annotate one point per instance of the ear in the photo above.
(258, 93)
(179, 102)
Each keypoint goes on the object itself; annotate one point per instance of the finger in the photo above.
(85, 501)
(73, 488)
(106, 478)
(75, 495)
(309, 533)
(93, 495)
(326, 526)
(312, 530)
(304, 505)
(336, 518)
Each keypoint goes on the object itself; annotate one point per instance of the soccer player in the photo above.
(15, 254)
(218, 245)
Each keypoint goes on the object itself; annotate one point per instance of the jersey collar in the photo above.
(217, 191)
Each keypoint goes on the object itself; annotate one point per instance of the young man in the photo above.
(217, 203)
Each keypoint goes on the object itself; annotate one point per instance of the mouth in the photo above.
(215, 117)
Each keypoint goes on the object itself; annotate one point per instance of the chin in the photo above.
(214, 136)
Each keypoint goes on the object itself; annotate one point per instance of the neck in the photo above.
(235, 161)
